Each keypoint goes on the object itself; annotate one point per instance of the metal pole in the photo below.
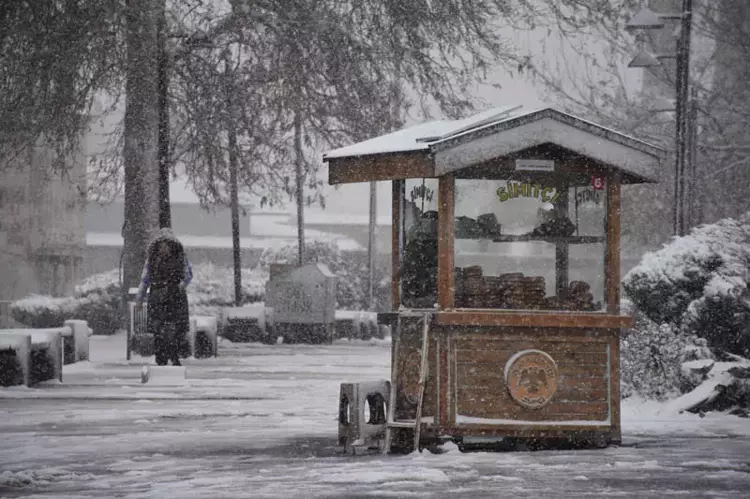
(371, 250)
(679, 146)
(683, 83)
(693, 197)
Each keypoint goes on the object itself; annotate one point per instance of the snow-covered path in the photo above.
(259, 421)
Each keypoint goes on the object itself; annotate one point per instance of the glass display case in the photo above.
(523, 244)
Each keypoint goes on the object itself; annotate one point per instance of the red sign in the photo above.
(598, 183)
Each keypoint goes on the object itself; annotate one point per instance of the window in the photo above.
(535, 243)
(418, 248)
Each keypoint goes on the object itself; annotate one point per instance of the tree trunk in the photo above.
(141, 136)
(233, 167)
(298, 160)
(165, 212)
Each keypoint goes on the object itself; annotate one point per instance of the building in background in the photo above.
(207, 235)
(42, 238)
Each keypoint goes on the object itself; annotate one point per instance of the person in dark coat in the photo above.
(166, 274)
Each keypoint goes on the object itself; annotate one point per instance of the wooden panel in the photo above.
(612, 255)
(443, 382)
(500, 318)
(397, 190)
(475, 356)
(396, 166)
(583, 383)
(446, 241)
(614, 376)
(492, 335)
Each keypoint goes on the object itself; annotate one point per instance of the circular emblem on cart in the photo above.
(531, 378)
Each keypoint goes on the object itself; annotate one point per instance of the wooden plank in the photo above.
(586, 352)
(572, 390)
(483, 412)
(396, 166)
(468, 374)
(574, 339)
(584, 433)
(612, 255)
(477, 406)
(446, 241)
(397, 192)
(500, 357)
(471, 402)
(498, 318)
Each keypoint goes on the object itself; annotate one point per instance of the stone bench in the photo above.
(357, 325)
(30, 356)
(204, 336)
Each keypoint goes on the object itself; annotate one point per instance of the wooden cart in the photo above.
(506, 276)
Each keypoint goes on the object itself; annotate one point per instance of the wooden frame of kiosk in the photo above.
(506, 276)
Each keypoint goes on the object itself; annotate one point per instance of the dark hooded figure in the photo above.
(166, 274)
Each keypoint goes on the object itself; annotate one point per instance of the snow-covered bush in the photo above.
(212, 288)
(699, 284)
(97, 299)
(350, 267)
(651, 357)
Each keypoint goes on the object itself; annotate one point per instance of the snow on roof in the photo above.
(502, 131)
(418, 137)
(437, 135)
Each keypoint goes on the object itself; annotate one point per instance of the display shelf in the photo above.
(546, 239)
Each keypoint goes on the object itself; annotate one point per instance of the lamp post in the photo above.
(647, 19)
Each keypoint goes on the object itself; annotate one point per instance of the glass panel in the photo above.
(419, 259)
(530, 244)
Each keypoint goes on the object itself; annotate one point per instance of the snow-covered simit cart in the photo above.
(506, 281)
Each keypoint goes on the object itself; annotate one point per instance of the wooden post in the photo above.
(612, 255)
(446, 241)
(397, 225)
(562, 250)
(371, 248)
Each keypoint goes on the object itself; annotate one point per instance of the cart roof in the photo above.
(439, 147)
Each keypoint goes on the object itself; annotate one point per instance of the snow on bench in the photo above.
(29, 356)
(204, 336)
(357, 324)
(39, 359)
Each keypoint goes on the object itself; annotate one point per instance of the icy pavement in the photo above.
(259, 421)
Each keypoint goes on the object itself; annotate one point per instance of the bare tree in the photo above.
(141, 132)
(591, 78)
(54, 55)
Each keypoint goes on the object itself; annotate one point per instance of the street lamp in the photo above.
(647, 19)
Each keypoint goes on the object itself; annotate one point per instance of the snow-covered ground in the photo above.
(259, 421)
